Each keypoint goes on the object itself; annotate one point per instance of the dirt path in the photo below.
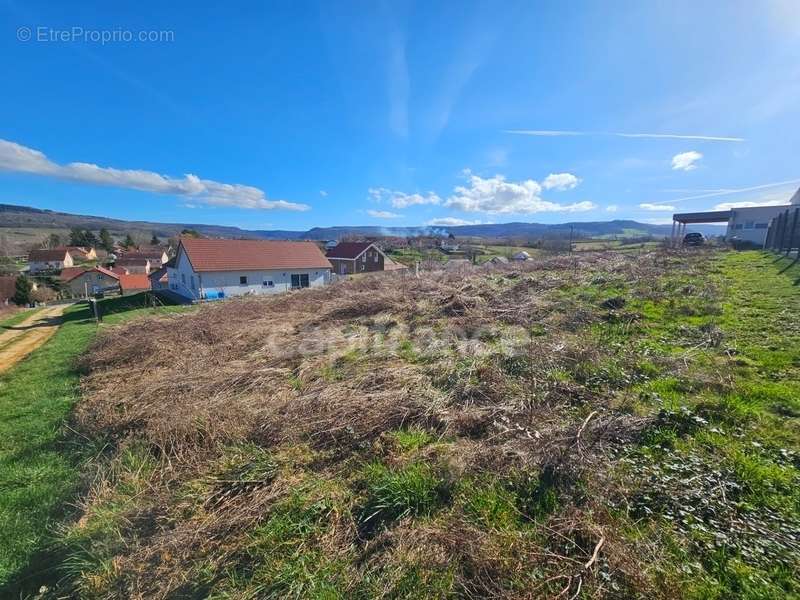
(20, 340)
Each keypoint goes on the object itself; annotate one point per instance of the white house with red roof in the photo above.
(211, 269)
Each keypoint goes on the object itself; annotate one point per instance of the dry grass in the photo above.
(490, 363)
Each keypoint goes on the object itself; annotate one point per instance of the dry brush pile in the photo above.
(453, 434)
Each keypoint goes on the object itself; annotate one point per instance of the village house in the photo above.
(348, 258)
(155, 255)
(208, 269)
(81, 253)
(521, 256)
(133, 264)
(50, 259)
(88, 282)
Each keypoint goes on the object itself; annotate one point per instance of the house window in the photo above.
(761, 225)
(364, 257)
(748, 225)
(243, 280)
(737, 226)
(299, 281)
(375, 257)
(342, 269)
(268, 283)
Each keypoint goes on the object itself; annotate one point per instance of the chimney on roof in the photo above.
(796, 198)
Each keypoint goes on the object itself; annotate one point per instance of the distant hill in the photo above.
(20, 225)
(591, 229)
(13, 216)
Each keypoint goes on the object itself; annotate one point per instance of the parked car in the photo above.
(693, 239)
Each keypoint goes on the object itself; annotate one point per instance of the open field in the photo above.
(39, 457)
(599, 244)
(409, 256)
(596, 426)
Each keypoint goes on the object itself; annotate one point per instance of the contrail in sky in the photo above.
(738, 190)
(669, 136)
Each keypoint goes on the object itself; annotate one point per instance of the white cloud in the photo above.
(383, 214)
(749, 204)
(669, 136)
(612, 208)
(401, 199)
(685, 161)
(323, 193)
(496, 195)
(560, 181)
(21, 159)
(657, 207)
(451, 222)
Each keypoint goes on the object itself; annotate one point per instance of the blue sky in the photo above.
(298, 114)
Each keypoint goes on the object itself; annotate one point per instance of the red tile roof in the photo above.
(71, 273)
(134, 281)
(108, 272)
(252, 255)
(79, 249)
(151, 254)
(127, 259)
(348, 249)
(51, 254)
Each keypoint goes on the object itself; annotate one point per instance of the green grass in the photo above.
(489, 503)
(393, 493)
(39, 459)
(17, 318)
(729, 423)
(411, 439)
(409, 256)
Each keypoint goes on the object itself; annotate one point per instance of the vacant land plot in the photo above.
(601, 425)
